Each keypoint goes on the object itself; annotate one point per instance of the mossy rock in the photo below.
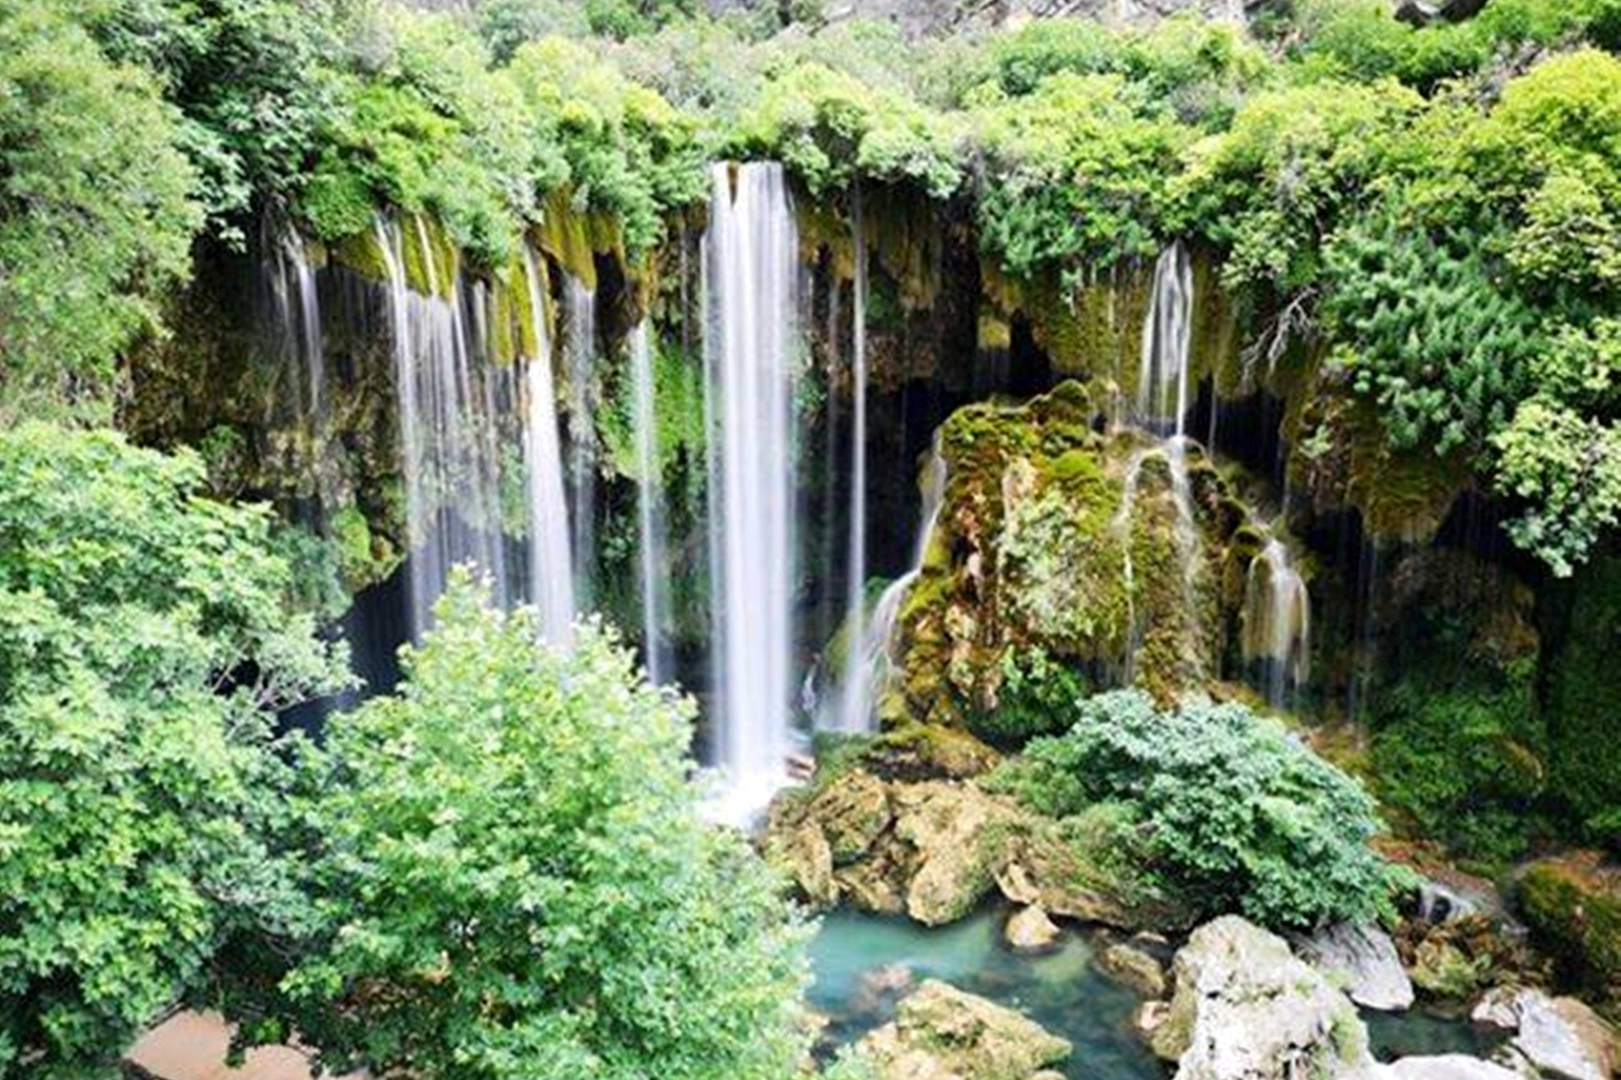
(1573, 905)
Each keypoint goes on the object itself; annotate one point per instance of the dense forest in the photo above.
(890, 540)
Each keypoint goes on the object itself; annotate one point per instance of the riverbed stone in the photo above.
(1134, 967)
(1030, 930)
(950, 829)
(1559, 1037)
(943, 1033)
(1361, 960)
(1246, 1008)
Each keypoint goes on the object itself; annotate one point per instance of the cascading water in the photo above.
(1162, 378)
(650, 495)
(855, 705)
(447, 418)
(551, 569)
(1277, 621)
(750, 292)
(298, 313)
(580, 340)
(874, 654)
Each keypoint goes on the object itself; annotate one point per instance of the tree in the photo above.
(1239, 815)
(96, 215)
(146, 641)
(515, 881)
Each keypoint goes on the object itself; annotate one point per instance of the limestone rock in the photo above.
(949, 828)
(1363, 961)
(872, 885)
(1445, 1067)
(1030, 930)
(853, 812)
(1135, 968)
(1560, 1037)
(1246, 1008)
(802, 852)
(942, 1033)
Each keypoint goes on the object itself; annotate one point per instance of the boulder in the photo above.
(1071, 872)
(949, 828)
(1134, 967)
(942, 1033)
(853, 812)
(1245, 1008)
(1573, 905)
(1361, 960)
(873, 885)
(1444, 1067)
(1030, 930)
(1559, 1037)
(803, 854)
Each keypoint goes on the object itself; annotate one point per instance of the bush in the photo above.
(515, 881)
(1240, 815)
(1037, 697)
(146, 642)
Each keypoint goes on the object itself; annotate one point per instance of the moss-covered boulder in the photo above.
(1573, 905)
(942, 1033)
(1105, 553)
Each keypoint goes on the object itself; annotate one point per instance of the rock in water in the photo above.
(1445, 1067)
(1135, 968)
(1363, 960)
(1030, 930)
(1246, 1009)
(853, 813)
(942, 1033)
(1560, 1037)
(947, 826)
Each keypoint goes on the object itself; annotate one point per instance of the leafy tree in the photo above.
(1566, 470)
(96, 216)
(1239, 814)
(515, 881)
(146, 642)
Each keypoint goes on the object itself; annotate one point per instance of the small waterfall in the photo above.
(450, 458)
(650, 496)
(298, 313)
(856, 705)
(1162, 378)
(1184, 536)
(580, 325)
(873, 654)
(1277, 621)
(750, 291)
(551, 569)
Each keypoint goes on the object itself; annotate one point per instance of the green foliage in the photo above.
(1584, 705)
(515, 882)
(1037, 696)
(146, 641)
(1238, 813)
(1566, 471)
(96, 215)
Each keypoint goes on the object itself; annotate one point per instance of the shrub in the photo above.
(515, 881)
(1037, 696)
(1240, 815)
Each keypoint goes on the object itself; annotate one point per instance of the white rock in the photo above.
(1363, 961)
(1444, 1067)
(1030, 930)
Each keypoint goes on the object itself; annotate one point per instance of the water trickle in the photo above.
(1277, 621)
(873, 654)
(650, 499)
(580, 341)
(750, 290)
(298, 315)
(448, 424)
(856, 704)
(1162, 378)
(551, 569)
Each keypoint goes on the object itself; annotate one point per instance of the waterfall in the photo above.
(1162, 377)
(298, 314)
(750, 290)
(873, 654)
(1277, 621)
(580, 323)
(551, 569)
(856, 705)
(649, 497)
(447, 419)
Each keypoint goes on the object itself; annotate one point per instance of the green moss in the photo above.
(1573, 905)
(432, 260)
(1584, 703)
(363, 253)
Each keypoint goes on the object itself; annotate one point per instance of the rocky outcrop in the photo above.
(934, 850)
(1245, 1008)
(1361, 960)
(1558, 1037)
(1573, 905)
(1134, 967)
(1030, 930)
(1444, 1067)
(942, 1033)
